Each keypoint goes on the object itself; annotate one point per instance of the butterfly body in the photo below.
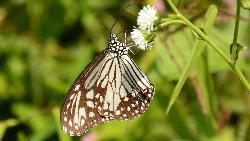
(111, 87)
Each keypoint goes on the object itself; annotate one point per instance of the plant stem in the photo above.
(166, 23)
(235, 47)
(237, 20)
(242, 78)
(205, 37)
(234, 67)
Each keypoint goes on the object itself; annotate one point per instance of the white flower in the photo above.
(143, 36)
(147, 17)
(139, 39)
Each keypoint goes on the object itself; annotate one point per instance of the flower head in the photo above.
(139, 39)
(143, 36)
(146, 18)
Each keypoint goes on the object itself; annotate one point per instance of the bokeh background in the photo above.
(44, 45)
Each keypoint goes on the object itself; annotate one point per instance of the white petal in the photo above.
(139, 40)
(147, 17)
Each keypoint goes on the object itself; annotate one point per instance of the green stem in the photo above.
(205, 37)
(242, 78)
(237, 20)
(235, 47)
(166, 23)
(234, 67)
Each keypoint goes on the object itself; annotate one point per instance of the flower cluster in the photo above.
(142, 36)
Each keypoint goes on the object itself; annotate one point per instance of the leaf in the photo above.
(199, 47)
(4, 125)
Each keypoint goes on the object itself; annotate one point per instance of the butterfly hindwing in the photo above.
(127, 91)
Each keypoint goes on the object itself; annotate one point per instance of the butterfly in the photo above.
(111, 87)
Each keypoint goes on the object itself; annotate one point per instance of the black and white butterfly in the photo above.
(111, 87)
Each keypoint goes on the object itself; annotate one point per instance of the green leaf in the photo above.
(199, 47)
(4, 125)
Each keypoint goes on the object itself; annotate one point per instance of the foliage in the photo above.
(45, 44)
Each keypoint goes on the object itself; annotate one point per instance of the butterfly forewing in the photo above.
(75, 113)
(110, 87)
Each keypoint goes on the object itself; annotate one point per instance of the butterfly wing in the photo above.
(110, 87)
(78, 109)
(125, 92)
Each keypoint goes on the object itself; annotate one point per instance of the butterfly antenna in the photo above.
(129, 46)
(120, 17)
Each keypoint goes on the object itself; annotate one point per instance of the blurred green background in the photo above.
(44, 45)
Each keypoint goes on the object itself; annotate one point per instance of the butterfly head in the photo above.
(116, 46)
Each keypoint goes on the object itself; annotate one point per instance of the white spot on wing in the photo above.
(99, 108)
(128, 108)
(105, 106)
(70, 123)
(90, 94)
(77, 87)
(82, 122)
(76, 127)
(90, 104)
(117, 112)
(126, 99)
(97, 96)
(91, 114)
(82, 113)
(65, 129)
(65, 118)
(101, 99)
